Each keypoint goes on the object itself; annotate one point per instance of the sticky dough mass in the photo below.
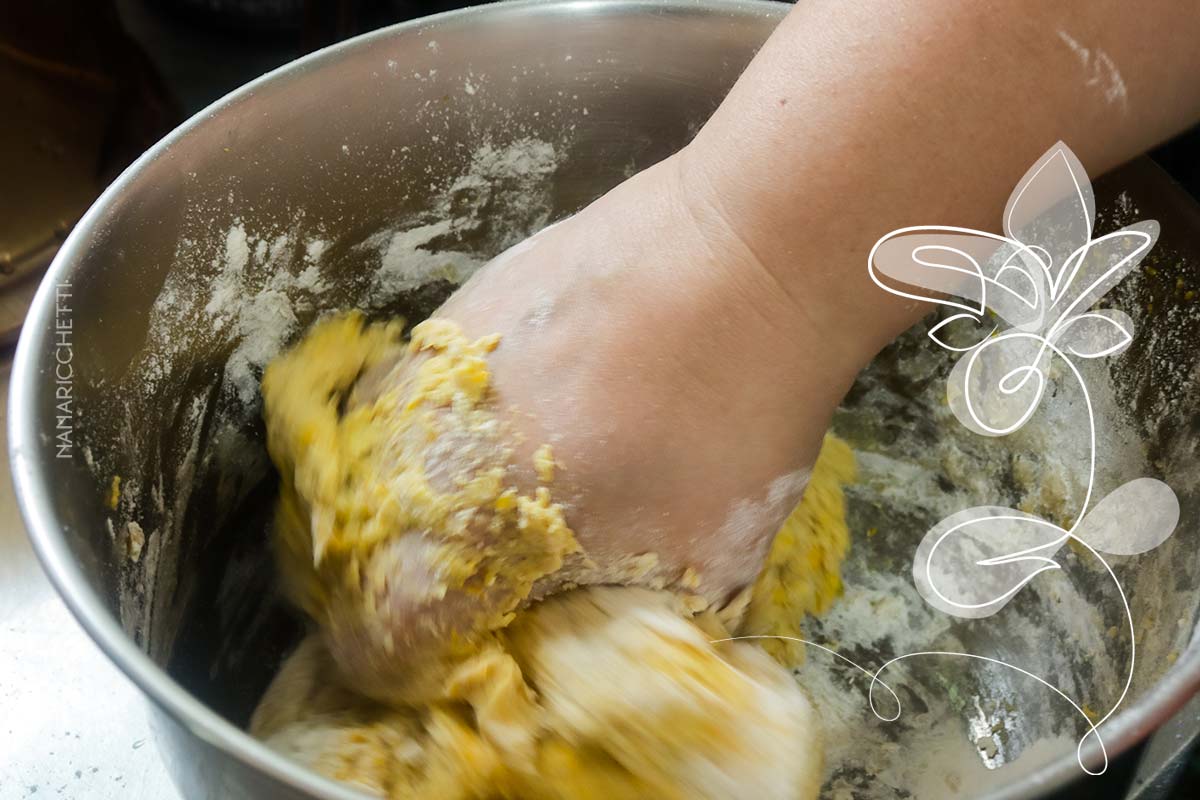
(604, 692)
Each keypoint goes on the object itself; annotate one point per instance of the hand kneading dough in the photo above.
(602, 692)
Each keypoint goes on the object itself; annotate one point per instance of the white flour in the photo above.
(261, 281)
(256, 295)
(1100, 72)
(408, 262)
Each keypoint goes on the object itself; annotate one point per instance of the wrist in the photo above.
(811, 292)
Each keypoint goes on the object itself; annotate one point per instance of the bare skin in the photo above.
(683, 341)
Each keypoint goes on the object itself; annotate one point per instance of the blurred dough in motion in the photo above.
(600, 692)
(605, 692)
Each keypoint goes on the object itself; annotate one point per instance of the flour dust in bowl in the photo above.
(378, 175)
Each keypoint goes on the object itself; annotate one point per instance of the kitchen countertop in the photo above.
(71, 724)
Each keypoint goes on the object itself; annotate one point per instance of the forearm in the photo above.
(859, 118)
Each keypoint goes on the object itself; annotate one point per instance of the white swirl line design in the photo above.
(973, 562)
(876, 681)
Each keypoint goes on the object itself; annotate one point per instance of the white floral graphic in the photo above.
(1022, 300)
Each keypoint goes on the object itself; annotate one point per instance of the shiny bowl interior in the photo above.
(376, 174)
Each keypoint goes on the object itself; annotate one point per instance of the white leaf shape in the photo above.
(963, 269)
(1134, 518)
(1096, 334)
(935, 260)
(1100, 265)
(1052, 209)
(973, 562)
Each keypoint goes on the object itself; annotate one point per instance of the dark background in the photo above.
(87, 85)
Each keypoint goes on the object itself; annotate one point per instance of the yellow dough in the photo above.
(802, 575)
(602, 692)
(368, 520)
(606, 692)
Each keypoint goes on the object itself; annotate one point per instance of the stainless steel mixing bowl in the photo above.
(375, 174)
